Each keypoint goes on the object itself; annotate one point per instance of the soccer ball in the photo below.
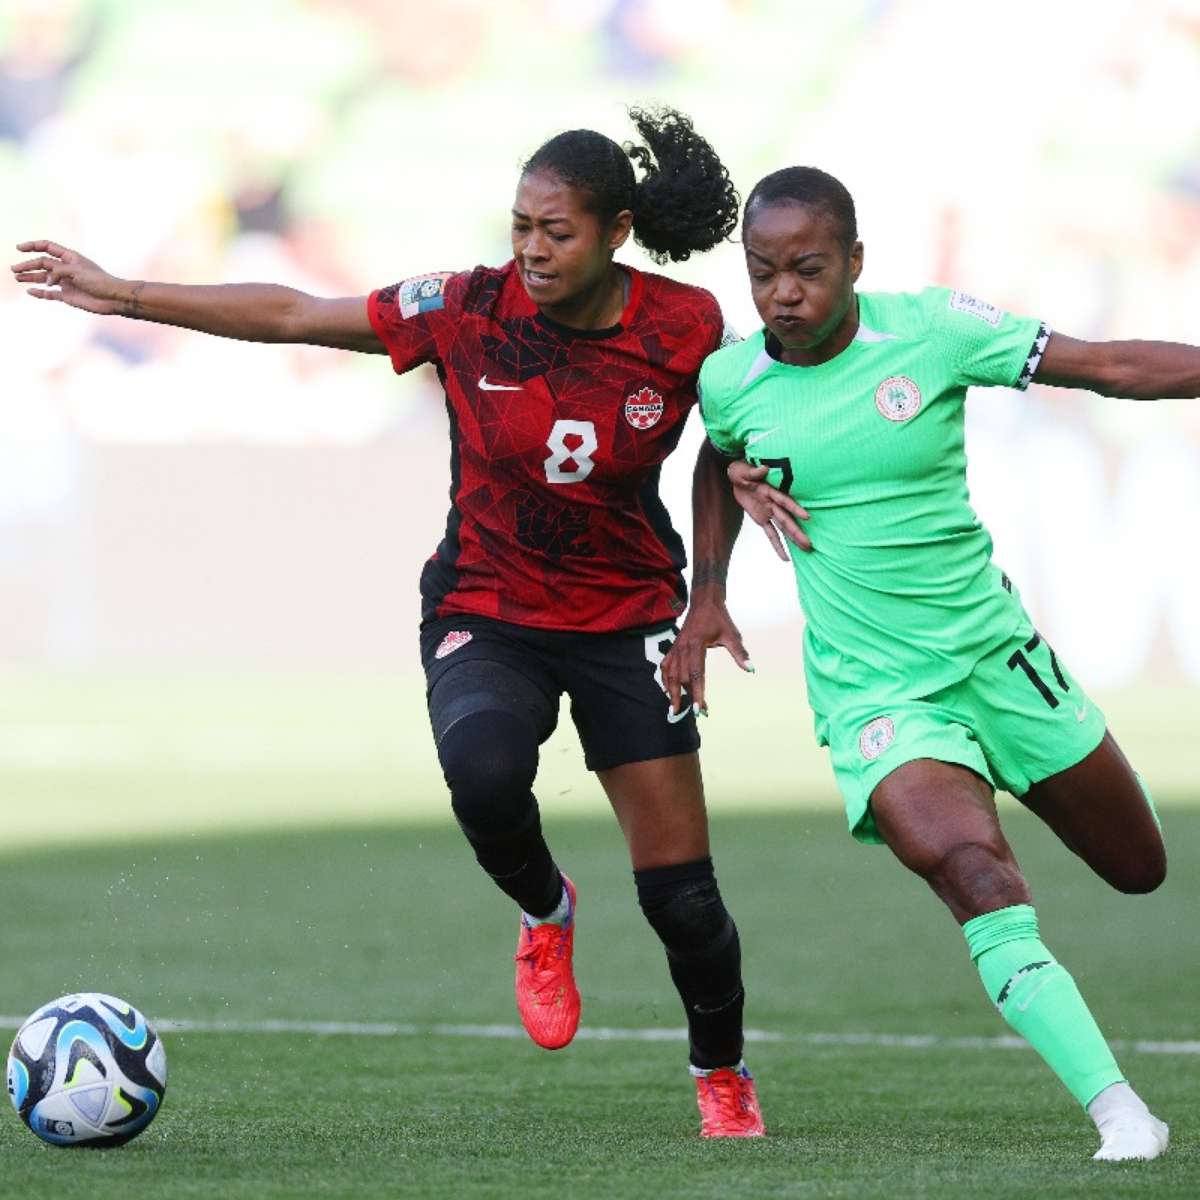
(87, 1070)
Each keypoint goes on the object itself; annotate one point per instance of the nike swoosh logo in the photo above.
(758, 437)
(484, 386)
(1080, 713)
(1024, 1004)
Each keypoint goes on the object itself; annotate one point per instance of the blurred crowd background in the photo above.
(165, 496)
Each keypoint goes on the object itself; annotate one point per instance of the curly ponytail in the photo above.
(685, 201)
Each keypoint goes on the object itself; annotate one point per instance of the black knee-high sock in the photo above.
(684, 907)
(489, 760)
(521, 865)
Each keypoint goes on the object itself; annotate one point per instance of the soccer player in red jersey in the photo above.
(568, 379)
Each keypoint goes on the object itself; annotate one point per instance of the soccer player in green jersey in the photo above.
(928, 682)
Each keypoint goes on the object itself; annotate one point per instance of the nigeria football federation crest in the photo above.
(876, 737)
(898, 398)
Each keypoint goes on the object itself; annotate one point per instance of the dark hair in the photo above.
(683, 203)
(811, 188)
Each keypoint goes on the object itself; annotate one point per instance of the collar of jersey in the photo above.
(569, 331)
(772, 349)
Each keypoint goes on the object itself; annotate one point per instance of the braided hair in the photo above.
(810, 188)
(684, 201)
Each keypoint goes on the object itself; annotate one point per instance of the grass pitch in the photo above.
(396, 925)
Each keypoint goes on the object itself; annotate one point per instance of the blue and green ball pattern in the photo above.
(87, 1070)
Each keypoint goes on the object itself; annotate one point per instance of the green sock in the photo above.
(1039, 1000)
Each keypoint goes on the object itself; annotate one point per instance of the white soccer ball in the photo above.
(87, 1070)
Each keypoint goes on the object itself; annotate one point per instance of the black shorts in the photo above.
(614, 680)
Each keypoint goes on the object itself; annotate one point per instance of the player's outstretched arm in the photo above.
(252, 312)
(716, 521)
(1133, 370)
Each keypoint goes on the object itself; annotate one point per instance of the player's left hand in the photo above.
(768, 507)
(708, 624)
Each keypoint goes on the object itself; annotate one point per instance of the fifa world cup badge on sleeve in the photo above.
(987, 313)
(422, 294)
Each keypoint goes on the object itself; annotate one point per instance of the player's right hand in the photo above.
(59, 273)
(708, 624)
(768, 507)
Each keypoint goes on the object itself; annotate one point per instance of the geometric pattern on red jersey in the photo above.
(555, 518)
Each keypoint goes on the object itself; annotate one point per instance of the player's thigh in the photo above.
(1099, 808)
(618, 703)
(940, 821)
(1048, 744)
(659, 804)
(869, 741)
(646, 761)
(1033, 716)
(475, 666)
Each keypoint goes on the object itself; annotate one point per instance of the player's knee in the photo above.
(683, 905)
(977, 876)
(1141, 873)
(489, 759)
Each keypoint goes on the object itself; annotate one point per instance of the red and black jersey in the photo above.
(557, 439)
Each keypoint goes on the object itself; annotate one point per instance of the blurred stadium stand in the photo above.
(169, 497)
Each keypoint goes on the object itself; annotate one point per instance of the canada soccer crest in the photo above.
(644, 408)
(454, 640)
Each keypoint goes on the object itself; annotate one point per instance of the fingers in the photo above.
(767, 494)
(791, 530)
(741, 473)
(53, 264)
(41, 246)
(41, 263)
(696, 684)
(49, 272)
(683, 672)
(42, 294)
(787, 503)
(768, 527)
(672, 678)
(776, 511)
(737, 650)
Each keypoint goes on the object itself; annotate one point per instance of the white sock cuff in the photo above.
(704, 1072)
(557, 917)
(1116, 1100)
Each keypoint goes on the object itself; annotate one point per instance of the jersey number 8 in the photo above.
(570, 463)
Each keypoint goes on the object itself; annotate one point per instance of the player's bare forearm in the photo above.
(716, 521)
(251, 312)
(1132, 370)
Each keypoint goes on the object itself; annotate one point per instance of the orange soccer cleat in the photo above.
(547, 997)
(728, 1104)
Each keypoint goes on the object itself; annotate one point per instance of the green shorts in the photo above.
(1018, 718)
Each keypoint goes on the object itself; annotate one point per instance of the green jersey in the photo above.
(900, 593)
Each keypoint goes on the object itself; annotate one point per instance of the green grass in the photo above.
(223, 849)
(123, 757)
(395, 924)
